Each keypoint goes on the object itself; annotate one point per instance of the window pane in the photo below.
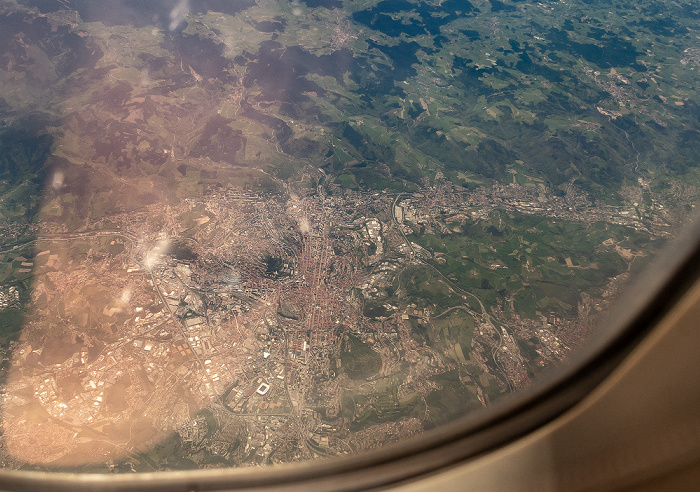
(257, 232)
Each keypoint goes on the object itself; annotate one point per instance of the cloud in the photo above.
(57, 181)
(178, 14)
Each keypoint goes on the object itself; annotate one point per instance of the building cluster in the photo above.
(251, 321)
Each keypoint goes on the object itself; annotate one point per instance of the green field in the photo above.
(358, 360)
(524, 257)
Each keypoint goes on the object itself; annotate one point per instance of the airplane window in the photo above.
(236, 234)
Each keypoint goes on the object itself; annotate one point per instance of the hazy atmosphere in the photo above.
(251, 232)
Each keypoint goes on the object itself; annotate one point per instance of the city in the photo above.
(259, 330)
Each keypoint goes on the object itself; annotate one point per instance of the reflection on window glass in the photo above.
(250, 232)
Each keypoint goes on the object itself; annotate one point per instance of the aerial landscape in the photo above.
(251, 232)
